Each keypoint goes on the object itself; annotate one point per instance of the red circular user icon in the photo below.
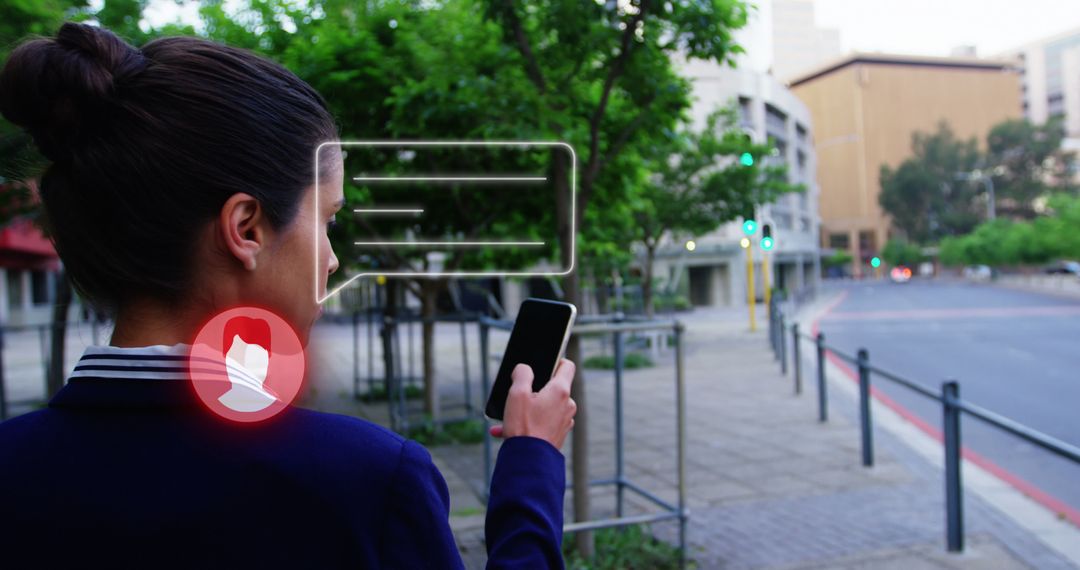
(247, 364)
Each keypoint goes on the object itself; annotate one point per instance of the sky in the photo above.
(934, 27)
(921, 27)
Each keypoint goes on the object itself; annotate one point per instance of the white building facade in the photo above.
(715, 271)
(1051, 81)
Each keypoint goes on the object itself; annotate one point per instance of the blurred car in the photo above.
(1063, 267)
(978, 272)
(900, 274)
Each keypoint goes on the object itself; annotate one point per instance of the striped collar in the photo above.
(157, 362)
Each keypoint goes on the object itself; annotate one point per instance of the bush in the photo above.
(625, 548)
(672, 303)
(839, 258)
(631, 360)
(901, 252)
(1003, 242)
(378, 394)
(467, 431)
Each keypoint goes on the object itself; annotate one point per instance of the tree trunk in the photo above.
(429, 291)
(603, 298)
(572, 291)
(59, 334)
(647, 279)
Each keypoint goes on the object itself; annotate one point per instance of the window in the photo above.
(867, 243)
(39, 287)
(839, 241)
(775, 121)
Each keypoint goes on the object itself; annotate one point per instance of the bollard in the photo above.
(822, 395)
(782, 340)
(863, 361)
(356, 353)
(795, 361)
(485, 385)
(954, 498)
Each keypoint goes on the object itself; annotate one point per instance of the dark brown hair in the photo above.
(147, 145)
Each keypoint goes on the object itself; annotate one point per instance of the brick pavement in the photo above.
(768, 486)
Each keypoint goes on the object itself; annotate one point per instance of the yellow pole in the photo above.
(765, 282)
(750, 300)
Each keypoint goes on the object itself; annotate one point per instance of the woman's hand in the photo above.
(547, 414)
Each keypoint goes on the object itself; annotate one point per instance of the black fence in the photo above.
(952, 408)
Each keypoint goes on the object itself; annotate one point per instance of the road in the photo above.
(1015, 353)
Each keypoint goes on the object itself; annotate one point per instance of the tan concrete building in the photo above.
(865, 107)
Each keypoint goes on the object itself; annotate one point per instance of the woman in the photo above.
(179, 186)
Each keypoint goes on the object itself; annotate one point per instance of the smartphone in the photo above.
(538, 339)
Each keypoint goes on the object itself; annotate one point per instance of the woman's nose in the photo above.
(333, 263)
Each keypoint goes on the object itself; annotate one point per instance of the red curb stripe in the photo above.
(1055, 505)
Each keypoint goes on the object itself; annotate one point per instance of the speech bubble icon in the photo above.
(427, 209)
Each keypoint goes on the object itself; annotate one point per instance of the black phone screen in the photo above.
(536, 340)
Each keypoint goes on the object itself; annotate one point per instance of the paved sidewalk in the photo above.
(768, 486)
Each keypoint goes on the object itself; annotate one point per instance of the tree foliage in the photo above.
(1027, 161)
(1005, 242)
(928, 197)
(696, 183)
(922, 195)
(899, 251)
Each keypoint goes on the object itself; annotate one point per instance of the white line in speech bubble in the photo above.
(433, 274)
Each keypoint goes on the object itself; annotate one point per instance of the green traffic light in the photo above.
(749, 227)
(766, 243)
(747, 159)
(875, 262)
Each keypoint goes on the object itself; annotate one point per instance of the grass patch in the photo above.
(467, 431)
(631, 361)
(378, 394)
(623, 548)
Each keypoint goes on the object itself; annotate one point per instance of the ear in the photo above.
(242, 229)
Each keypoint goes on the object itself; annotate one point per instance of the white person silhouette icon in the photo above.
(247, 364)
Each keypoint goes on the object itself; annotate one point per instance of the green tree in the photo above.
(697, 184)
(922, 195)
(899, 251)
(603, 80)
(1028, 163)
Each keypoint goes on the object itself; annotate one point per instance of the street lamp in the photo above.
(988, 181)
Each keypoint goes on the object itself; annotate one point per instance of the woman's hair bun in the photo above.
(57, 88)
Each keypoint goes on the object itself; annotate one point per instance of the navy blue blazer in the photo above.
(137, 473)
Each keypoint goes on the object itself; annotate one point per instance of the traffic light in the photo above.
(749, 227)
(746, 159)
(875, 262)
(766, 237)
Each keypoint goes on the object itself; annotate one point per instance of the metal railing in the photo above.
(45, 350)
(952, 408)
(617, 327)
(399, 369)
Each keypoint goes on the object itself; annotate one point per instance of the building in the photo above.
(865, 108)
(798, 44)
(1050, 77)
(28, 271)
(715, 271)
